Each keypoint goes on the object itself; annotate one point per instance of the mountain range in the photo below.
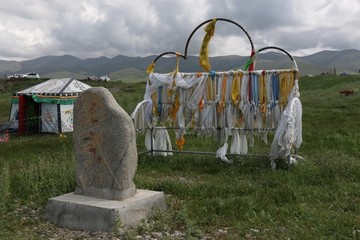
(129, 69)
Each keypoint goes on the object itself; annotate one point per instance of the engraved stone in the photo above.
(105, 147)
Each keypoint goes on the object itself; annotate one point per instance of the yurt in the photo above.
(46, 107)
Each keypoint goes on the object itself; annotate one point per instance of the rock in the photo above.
(105, 147)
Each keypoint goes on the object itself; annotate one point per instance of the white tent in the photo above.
(46, 107)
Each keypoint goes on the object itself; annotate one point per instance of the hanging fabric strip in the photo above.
(250, 64)
(269, 93)
(207, 100)
(275, 86)
(197, 94)
(159, 108)
(255, 88)
(291, 77)
(222, 94)
(289, 132)
(175, 107)
(164, 105)
(284, 91)
(262, 81)
(204, 50)
(236, 88)
(154, 98)
(175, 75)
(150, 68)
(276, 92)
(180, 143)
(156, 80)
(295, 87)
(162, 142)
(211, 86)
(250, 88)
(229, 107)
(235, 147)
(221, 153)
(244, 89)
(244, 143)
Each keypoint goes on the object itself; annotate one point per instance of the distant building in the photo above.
(103, 78)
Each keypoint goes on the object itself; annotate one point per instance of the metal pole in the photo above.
(151, 142)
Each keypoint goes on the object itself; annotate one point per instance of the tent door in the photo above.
(28, 115)
(32, 115)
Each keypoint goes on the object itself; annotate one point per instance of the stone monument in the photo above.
(105, 197)
(105, 147)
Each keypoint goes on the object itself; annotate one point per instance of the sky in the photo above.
(92, 28)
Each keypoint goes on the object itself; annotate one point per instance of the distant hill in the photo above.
(65, 74)
(346, 60)
(134, 68)
(9, 66)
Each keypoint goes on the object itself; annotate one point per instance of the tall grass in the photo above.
(34, 177)
(317, 199)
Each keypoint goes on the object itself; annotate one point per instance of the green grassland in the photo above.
(129, 75)
(317, 199)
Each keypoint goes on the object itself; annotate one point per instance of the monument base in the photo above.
(80, 212)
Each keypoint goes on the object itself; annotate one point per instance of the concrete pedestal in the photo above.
(80, 212)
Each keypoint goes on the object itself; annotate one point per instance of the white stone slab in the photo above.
(80, 212)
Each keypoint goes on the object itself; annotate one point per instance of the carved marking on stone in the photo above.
(105, 146)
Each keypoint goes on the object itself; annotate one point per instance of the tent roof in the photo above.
(56, 87)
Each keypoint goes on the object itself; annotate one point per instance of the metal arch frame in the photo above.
(282, 50)
(218, 19)
(277, 48)
(184, 56)
(168, 53)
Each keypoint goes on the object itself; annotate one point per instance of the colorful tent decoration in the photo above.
(46, 107)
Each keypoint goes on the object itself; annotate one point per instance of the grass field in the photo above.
(317, 199)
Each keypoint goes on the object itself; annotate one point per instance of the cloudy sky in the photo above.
(93, 28)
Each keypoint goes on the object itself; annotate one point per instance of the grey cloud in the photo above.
(140, 28)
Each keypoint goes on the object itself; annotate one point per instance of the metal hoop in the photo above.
(168, 53)
(218, 19)
(280, 49)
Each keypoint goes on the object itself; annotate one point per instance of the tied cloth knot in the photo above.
(180, 143)
(263, 107)
(150, 68)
